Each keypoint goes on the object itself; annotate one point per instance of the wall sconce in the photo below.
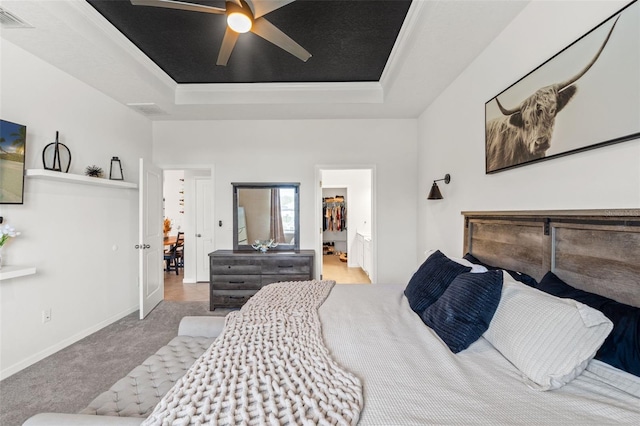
(115, 170)
(435, 193)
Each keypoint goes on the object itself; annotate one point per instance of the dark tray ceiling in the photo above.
(350, 41)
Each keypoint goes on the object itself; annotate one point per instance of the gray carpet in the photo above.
(67, 381)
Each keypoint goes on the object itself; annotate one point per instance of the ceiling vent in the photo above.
(10, 21)
(149, 109)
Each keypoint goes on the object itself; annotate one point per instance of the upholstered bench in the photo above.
(131, 399)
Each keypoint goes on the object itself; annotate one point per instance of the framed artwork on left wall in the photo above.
(13, 143)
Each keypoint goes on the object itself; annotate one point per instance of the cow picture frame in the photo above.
(584, 97)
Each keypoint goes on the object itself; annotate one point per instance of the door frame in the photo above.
(189, 270)
(318, 214)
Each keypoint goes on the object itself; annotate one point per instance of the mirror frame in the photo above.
(267, 185)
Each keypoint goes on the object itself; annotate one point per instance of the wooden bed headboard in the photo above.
(594, 250)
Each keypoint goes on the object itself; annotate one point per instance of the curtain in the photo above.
(277, 229)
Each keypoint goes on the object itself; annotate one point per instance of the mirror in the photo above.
(266, 211)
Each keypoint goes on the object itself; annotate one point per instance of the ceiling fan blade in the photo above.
(271, 33)
(228, 42)
(262, 7)
(179, 5)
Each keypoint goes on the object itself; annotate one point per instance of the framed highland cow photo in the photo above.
(586, 96)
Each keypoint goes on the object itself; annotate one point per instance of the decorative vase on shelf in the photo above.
(56, 156)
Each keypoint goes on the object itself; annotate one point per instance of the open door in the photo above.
(150, 271)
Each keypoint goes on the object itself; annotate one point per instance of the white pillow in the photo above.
(549, 339)
(475, 269)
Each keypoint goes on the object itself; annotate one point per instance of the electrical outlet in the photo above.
(46, 315)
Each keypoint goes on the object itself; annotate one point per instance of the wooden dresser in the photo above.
(236, 276)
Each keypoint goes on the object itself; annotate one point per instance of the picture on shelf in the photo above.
(13, 141)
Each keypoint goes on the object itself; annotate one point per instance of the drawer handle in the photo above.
(285, 266)
(236, 297)
(236, 282)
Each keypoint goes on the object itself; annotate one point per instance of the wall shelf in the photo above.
(8, 272)
(86, 180)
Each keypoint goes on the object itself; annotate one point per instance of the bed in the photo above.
(411, 377)
(378, 363)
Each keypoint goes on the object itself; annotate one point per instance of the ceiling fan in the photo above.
(242, 16)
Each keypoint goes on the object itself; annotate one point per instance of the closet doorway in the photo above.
(346, 218)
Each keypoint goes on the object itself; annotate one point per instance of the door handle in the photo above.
(198, 235)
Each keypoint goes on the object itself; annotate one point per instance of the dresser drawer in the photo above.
(236, 282)
(229, 300)
(227, 266)
(288, 265)
(235, 277)
(269, 279)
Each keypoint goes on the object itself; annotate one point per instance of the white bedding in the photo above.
(411, 378)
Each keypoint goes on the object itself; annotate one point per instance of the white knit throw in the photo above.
(269, 366)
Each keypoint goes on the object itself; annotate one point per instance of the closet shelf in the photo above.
(86, 180)
(8, 272)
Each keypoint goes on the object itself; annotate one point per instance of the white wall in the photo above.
(451, 136)
(289, 151)
(79, 237)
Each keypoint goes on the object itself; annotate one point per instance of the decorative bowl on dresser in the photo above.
(236, 276)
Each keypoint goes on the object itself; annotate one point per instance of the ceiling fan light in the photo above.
(239, 22)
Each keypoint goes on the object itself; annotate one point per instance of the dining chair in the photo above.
(174, 255)
(179, 257)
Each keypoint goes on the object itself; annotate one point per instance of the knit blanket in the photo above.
(269, 366)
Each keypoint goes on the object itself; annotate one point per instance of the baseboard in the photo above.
(9, 371)
(188, 281)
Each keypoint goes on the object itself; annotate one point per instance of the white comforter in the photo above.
(411, 378)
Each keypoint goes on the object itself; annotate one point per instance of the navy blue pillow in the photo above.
(518, 276)
(622, 347)
(463, 312)
(431, 280)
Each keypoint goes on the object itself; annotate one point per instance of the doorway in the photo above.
(346, 217)
(188, 205)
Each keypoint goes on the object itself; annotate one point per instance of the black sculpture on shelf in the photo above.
(93, 171)
(115, 170)
(54, 154)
